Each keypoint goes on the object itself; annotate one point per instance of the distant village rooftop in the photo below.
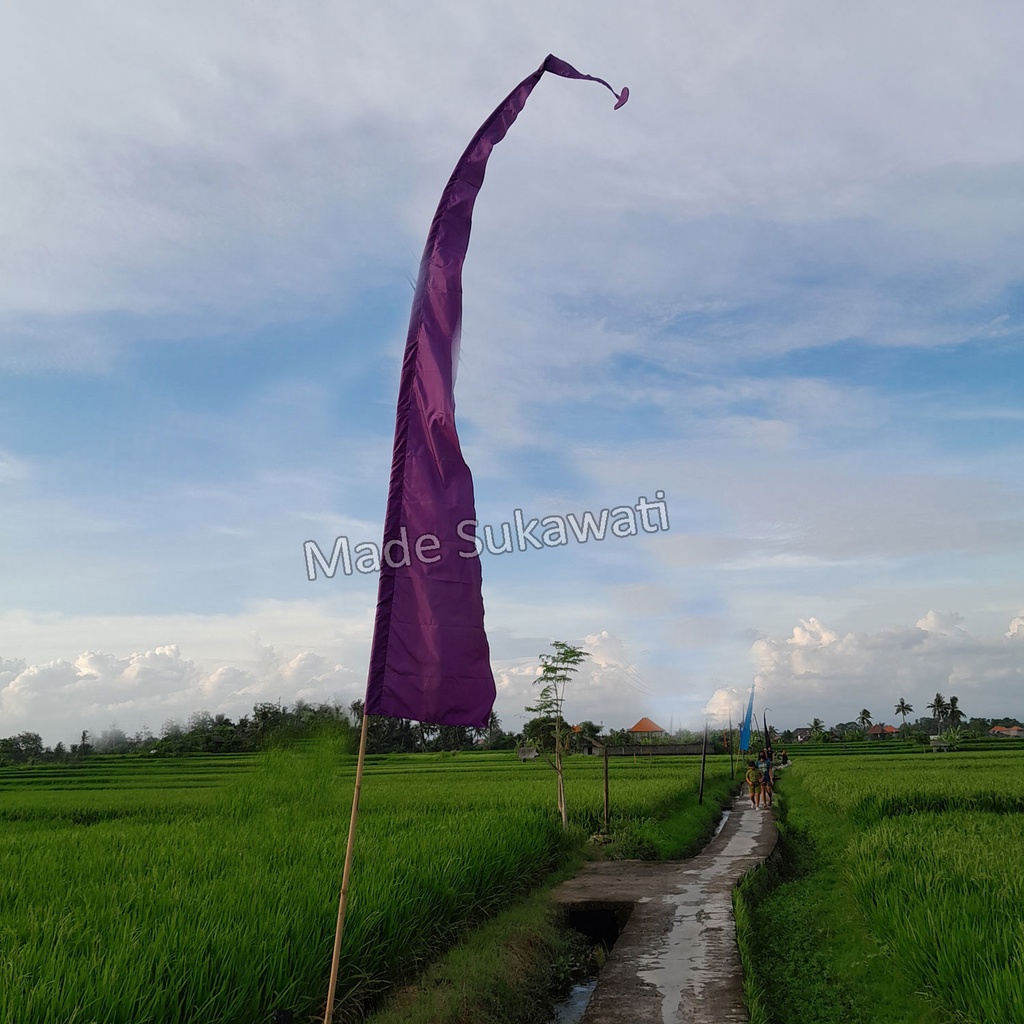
(1013, 732)
(882, 731)
(646, 727)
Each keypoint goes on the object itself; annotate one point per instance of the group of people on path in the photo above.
(761, 778)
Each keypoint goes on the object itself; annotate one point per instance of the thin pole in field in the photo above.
(732, 766)
(703, 762)
(346, 873)
(606, 801)
(604, 752)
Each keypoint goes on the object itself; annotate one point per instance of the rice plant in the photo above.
(944, 893)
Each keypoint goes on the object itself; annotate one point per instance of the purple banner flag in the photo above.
(430, 660)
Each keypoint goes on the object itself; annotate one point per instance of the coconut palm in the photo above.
(939, 709)
(864, 718)
(904, 709)
(817, 729)
(954, 714)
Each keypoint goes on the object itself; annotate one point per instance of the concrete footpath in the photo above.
(676, 960)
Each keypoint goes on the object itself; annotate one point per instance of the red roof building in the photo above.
(645, 727)
(882, 732)
(1013, 732)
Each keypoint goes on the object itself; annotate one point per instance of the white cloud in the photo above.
(608, 686)
(726, 703)
(221, 665)
(820, 672)
(98, 689)
(943, 623)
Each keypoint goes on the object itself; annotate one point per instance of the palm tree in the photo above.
(904, 709)
(817, 729)
(939, 708)
(493, 727)
(864, 718)
(954, 713)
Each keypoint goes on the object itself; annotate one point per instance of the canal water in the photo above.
(570, 1010)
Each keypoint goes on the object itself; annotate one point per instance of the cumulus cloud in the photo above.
(607, 688)
(821, 672)
(725, 703)
(98, 689)
(942, 623)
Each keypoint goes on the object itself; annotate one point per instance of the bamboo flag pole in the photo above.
(346, 873)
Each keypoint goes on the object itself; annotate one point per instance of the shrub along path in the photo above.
(676, 960)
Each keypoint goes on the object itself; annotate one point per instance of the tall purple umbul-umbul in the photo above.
(430, 659)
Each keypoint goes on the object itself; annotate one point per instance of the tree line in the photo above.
(204, 733)
(947, 720)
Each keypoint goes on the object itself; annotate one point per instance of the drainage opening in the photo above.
(600, 922)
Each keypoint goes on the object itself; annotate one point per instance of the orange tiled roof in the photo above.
(646, 725)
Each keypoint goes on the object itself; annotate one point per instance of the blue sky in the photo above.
(782, 285)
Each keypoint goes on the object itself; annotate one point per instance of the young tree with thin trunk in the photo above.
(556, 671)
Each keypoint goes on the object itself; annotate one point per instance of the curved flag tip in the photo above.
(557, 66)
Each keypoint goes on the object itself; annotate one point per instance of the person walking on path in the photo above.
(767, 778)
(753, 778)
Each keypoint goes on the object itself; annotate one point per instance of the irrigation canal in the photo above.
(675, 959)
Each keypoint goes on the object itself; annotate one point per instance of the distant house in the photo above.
(1013, 732)
(645, 729)
(881, 732)
(801, 735)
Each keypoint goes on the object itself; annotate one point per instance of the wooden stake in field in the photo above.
(429, 659)
(607, 805)
(604, 752)
(703, 762)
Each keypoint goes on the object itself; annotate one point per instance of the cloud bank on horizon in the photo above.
(783, 286)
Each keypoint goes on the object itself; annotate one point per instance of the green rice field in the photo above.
(902, 893)
(139, 890)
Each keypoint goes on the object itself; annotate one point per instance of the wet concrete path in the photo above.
(676, 960)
